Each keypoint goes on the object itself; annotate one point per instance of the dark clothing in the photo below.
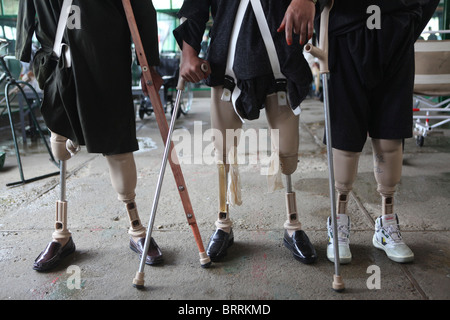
(91, 102)
(348, 15)
(372, 71)
(251, 65)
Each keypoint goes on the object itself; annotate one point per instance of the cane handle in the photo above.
(321, 52)
(180, 86)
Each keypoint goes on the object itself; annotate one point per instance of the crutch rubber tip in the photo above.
(205, 261)
(138, 281)
(338, 284)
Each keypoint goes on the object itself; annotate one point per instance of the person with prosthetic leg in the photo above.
(254, 65)
(371, 90)
(88, 102)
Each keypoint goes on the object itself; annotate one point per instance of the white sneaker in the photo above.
(387, 237)
(343, 226)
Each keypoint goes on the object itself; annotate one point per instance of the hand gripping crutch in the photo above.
(322, 54)
(166, 134)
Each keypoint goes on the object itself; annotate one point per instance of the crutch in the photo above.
(166, 134)
(322, 54)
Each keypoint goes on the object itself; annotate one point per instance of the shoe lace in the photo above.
(343, 232)
(394, 234)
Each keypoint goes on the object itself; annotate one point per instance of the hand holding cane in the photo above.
(322, 54)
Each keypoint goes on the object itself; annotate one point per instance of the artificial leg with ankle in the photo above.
(345, 170)
(223, 236)
(122, 169)
(62, 244)
(285, 142)
(295, 239)
(388, 158)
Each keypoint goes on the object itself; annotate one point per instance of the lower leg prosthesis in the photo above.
(223, 222)
(292, 223)
(136, 229)
(122, 170)
(61, 232)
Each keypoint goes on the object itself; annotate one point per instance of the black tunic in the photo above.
(251, 65)
(349, 15)
(91, 102)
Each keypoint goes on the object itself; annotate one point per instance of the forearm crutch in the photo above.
(166, 134)
(322, 54)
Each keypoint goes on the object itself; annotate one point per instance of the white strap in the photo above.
(62, 23)
(270, 47)
(268, 42)
(227, 95)
(267, 37)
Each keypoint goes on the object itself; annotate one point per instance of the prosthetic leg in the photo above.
(388, 157)
(62, 244)
(223, 222)
(224, 119)
(345, 170)
(63, 149)
(122, 170)
(285, 141)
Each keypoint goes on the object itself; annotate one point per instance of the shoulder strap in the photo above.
(267, 38)
(64, 16)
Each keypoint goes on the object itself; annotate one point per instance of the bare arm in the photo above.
(299, 19)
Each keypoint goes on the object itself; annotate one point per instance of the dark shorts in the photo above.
(371, 83)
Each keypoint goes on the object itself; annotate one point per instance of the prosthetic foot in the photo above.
(223, 237)
(62, 244)
(296, 239)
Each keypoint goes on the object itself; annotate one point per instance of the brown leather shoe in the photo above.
(52, 255)
(154, 254)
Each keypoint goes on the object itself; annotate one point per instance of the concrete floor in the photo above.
(258, 266)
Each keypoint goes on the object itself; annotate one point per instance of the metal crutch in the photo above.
(322, 54)
(138, 281)
(166, 133)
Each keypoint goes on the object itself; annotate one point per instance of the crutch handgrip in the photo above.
(180, 85)
(321, 52)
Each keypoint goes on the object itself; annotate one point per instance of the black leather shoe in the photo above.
(154, 254)
(218, 244)
(301, 247)
(52, 255)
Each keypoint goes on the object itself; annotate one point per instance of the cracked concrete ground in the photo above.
(257, 266)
